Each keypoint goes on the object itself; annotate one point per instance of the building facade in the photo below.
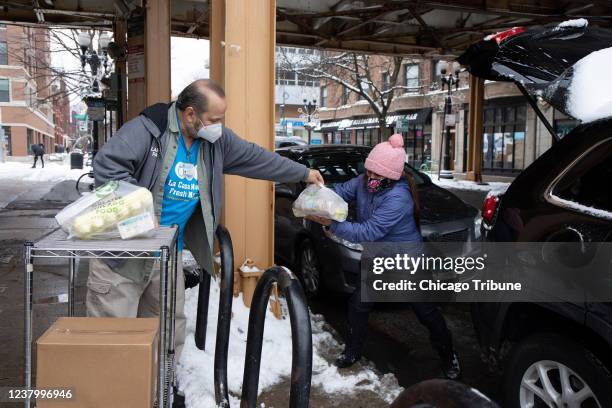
(513, 137)
(65, 130)
(291, 90)
(26, 111)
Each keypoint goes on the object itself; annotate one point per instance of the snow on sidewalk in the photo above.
(52, 172)
(195, 370)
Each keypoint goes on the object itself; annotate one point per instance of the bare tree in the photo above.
(42, 44)
(376, 79)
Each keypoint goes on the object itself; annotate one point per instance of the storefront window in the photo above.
(345, 137)
(359, 136)
(503, 144)
(367, 137)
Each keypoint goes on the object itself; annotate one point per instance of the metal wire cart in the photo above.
(160, 245)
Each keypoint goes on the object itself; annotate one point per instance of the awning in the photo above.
(417, 116)
(334, 125)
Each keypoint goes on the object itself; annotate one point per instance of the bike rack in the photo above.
(224, 318)
(301, 331)
(301, 338)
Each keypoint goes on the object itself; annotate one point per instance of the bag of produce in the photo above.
(115, 209)
(320, 201)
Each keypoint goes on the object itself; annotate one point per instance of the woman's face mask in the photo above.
(377, 184)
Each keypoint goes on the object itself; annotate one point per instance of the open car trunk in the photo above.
(564, 65)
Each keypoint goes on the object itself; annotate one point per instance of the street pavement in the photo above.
(26, 214)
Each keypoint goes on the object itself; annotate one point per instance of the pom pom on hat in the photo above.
(396, 140)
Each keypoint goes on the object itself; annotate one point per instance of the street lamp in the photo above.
(93, 58)
(449, 81)
(96, 60)
(309, 112)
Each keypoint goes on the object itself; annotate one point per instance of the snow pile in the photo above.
(576, 23)
(51, 172)
(589, 96)
(195, 369)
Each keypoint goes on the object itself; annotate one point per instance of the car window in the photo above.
(586, 182)
(340, 168)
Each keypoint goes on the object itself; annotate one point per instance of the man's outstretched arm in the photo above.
(250, 160)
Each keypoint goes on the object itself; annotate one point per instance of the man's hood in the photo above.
(158, 114)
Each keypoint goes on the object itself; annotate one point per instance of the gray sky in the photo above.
(188, 61)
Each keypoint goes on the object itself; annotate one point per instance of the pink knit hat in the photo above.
(387, 158)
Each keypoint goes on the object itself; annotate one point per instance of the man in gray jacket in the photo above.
(180, 153)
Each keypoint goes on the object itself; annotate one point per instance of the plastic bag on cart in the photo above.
(320, 201)
(115, 209)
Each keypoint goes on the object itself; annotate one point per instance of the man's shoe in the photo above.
(346, 359)
(451, 367)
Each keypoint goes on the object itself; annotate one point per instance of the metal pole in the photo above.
(202, 316)
(95, 139)
(28, 291)
(225, 316)
(163, 306)
(71, 279)
(440, 161)
(301, 338)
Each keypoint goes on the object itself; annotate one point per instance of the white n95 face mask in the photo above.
(210, 132)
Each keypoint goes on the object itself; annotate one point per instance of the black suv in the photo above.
(552, 354)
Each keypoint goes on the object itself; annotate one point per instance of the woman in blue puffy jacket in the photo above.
(387, 206)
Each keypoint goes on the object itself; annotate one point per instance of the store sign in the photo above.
(402, 125)
(294, 123)
(450, 119)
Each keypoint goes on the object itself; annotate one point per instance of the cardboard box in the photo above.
(107, 362)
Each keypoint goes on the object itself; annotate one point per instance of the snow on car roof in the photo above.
(575, 23)
(590, 91)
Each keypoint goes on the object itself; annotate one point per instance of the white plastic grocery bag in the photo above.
(320, 201)
(115, 209)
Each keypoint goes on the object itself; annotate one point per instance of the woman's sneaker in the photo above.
(451, 367)
(346, 359)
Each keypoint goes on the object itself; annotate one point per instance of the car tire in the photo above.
(308, 269)
(553, 357)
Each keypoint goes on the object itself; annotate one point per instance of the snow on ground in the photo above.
(589, 92)
(469, 185)
(53, 171)
(195, 369)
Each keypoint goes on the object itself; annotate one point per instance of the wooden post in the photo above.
(157, 51)
(244, 63)
(475, 129)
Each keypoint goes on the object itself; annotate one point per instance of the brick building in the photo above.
(513, 136)
(64, 129)
(26, 112)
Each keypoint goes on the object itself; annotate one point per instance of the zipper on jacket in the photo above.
(212, 186)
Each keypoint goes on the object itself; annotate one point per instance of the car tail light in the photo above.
(489, 207)
(504, 35)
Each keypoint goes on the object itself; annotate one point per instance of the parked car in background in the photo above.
(302, 245)
(287, 141)
(552, 354)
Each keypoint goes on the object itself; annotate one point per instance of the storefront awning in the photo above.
(418, 116)
(334, 125)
